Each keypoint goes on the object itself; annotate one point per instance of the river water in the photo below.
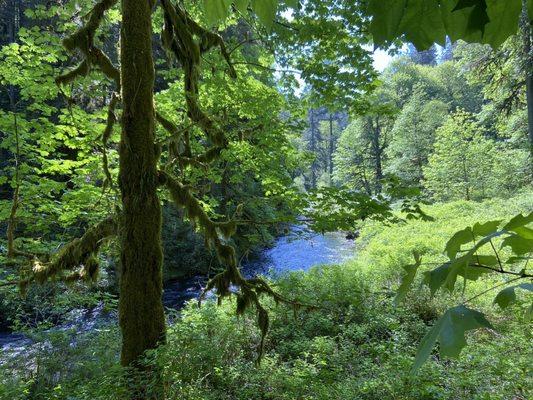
(300, 249)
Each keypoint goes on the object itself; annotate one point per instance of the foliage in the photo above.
(360, 155)
(58, 169)
(412, 137)
(326, 43)
(426, 22)
(232, 155)
(466, 165)
(471, 264)
(356, 344)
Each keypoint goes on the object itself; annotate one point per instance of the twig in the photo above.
(497, 255)
(290, 71)
(492, 288)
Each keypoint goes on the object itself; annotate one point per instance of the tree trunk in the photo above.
(141, 315)
(331, 144)
(527, 48)
(378, 154)
(313, 146)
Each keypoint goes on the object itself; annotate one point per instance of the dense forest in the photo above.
(266, 199)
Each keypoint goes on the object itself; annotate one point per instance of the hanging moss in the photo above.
(83, 40)
(216, 235)
(82, 69)
(186, 41)
(79, 252)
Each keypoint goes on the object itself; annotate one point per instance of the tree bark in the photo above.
(331, 144)
(378, 154)
(141, 314)
(526, 31)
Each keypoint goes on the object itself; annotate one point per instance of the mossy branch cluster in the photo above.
(186, 41)
(80, 253)
(83, 40)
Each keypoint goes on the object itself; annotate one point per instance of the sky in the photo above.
(381, 59)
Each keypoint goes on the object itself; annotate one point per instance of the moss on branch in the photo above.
(79, 253)
(83, 40)
(216, 235)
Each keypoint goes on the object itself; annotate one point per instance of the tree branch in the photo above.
(80, 252)
(83, 40)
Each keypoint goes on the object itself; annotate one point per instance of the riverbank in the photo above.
(299, 249)
(354, 345)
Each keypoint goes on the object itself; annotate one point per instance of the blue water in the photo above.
(300, 249)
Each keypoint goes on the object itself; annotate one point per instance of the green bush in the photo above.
(354, 345)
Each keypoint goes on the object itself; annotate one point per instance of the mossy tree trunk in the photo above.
(141, 313)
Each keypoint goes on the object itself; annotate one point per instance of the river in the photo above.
(300, 249)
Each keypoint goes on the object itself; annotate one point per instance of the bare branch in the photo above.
(111, 119)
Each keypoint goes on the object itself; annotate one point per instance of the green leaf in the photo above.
(469, 3)
(242, 5)
(476, 15)
(426, 345)
(518, 244)
(216, 10)
(266, 11)
(457, 266)
(460, 265)
(457, 22)
(292, 3)
(450, 331)
(518, 221)
(408, 278)
(386, 21)
(457, 240)
(488, 260)
(517, 259)
(504, 16)
(436, 277)
(507, 296)
(473, 272)
(422, 23)
(460, 319)
(486, 228)
(526, 233)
